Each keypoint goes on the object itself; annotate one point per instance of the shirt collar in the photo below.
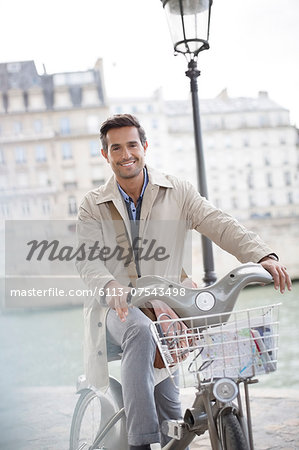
(110, 192)
(126, 197)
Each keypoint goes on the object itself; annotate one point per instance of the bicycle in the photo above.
(220, 351)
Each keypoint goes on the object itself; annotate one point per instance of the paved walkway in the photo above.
(39, 419)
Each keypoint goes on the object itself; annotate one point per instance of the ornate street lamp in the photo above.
(189, 24)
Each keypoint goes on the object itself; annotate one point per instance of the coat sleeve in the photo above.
(223, 229)
(91, 267)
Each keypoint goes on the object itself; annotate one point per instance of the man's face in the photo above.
(125, 154)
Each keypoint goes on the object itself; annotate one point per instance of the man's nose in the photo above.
(126, 154)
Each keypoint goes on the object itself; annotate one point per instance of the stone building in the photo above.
(250, 153)
(49, 143)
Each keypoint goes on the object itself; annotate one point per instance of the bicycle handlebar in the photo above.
(215, 299)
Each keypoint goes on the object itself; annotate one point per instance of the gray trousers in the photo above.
(146, 405)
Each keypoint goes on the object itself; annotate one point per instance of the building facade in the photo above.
(49, 140)
(250, 152)
(50, 151)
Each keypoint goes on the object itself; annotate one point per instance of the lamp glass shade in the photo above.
(188, 21)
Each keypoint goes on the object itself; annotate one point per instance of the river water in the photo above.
(42, 348)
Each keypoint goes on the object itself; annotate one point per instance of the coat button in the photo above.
(99, 324)
(100, 353)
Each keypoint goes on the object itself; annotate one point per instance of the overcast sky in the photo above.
(254, 45)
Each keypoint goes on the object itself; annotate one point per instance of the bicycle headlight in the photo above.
(205, 301)
(225, 390)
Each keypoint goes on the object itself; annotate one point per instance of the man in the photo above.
(143, 196)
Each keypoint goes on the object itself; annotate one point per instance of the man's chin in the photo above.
(132, 173)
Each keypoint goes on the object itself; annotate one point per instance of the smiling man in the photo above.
(125, 152)
(135, 197)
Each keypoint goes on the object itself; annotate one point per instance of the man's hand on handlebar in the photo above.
(279, 273)
(116, 298)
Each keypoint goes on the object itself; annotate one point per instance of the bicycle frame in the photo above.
(205, 414)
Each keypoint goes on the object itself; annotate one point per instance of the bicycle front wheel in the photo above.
(86, 420)
(92, 415)
(233, 437)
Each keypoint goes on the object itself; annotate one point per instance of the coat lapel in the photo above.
(149, 197)
(110, 193)
(156, 180)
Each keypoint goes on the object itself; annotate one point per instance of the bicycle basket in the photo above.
(238, 345)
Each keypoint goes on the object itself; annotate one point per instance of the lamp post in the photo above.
(189, 24)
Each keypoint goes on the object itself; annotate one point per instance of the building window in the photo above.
(243, 122)
(4, 209)
(72, 205)
(266, 161)
(70, 185)
(282, 140)
(264, 142)
(43, 178)
(217, 203)
(235, 203)
(38, 126)
(264, 120)
(252, 202)
(66, 150)
(69, 175)
(227, 142)
(287, 178)
(210, 143)
(269, 179)
(3, 182)
(40, 153)
(97, 183)
(17, 127)
(279, 120)
(20, 155)
(2, 158)
(65, 128)
(250, 181)
(22, 179)
(155, 124)
(46, 206)
(25, 208)
(271, 200)
(97, 175)
(290, 198)
(94, 148)
(92, 123)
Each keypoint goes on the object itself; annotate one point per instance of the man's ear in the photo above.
(105, 154)
(145, 146)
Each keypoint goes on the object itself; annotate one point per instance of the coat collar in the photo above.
(110, 192)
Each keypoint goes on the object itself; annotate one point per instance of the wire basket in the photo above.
(237, 345)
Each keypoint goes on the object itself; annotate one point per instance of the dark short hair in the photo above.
(119, 121)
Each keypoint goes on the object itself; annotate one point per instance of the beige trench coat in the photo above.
(173, 206)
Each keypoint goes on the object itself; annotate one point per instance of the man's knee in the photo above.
(139, 330)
